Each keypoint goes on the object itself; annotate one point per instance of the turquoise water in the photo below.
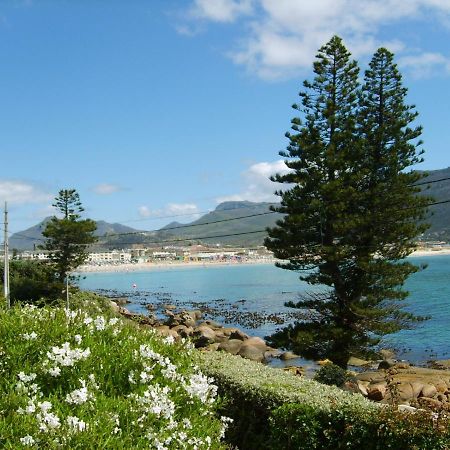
(253, 296)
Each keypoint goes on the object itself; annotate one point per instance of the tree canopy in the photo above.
(351, 208)
(68, 237)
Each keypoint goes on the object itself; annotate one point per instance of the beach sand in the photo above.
(143, 267)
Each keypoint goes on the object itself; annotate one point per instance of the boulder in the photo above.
(428, 390)
(357, 362)
(404, 392)
(402, 365)
(183, 330)
(417, 387)
(169, 307)
(286, 356)
(251, 352)
(231, 346)
(187, 320)
(443, 364)
(213, 347)
(386, 364)
(324, 362)
(238, 334)
(257, 342)
(122, 301)
(163, 331)
(211, 324)
(204, 336)
(362, 388)
(387, 354)
(196, 314)
(376, 392)
(295, 370)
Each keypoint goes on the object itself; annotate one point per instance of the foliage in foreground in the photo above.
(86, 379)
(351, 206)
(289, 412)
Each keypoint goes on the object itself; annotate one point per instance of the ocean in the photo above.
(252, 297)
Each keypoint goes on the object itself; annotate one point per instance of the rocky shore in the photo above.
(384, 381)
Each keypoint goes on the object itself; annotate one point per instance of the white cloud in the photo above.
(106, 189)
(171, 209)
(257, 186)
(22, 192)
(221, 10)
(281, 37)
(426, 64)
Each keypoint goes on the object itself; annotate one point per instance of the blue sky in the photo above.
(159, 108)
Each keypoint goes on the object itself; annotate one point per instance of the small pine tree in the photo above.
(350, 212)
(68, 237)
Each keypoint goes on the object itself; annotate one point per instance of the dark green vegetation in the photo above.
(351, 210)
(32, 282)
(275, 410)
(68, 238)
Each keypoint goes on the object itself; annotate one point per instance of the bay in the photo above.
(253, 296)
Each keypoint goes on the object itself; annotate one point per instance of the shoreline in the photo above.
(142, 267)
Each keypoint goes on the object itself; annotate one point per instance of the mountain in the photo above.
(202, 230)
(439, 215)
(27, 239)
(224, 215)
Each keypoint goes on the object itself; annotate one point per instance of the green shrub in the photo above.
(274, 410)
(331, 374)
(86, 379)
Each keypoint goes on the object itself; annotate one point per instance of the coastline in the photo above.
(143, 267)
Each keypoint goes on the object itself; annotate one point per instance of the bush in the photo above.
(32, 282)
(86, 379)
(273, 409)
(331, 375)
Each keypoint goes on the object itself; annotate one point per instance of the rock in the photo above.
(213, 347)
(272, 353)
(387, 354)
(122, 301)
(211, 324)
(231, 346)
(441, 397)
(428, 402)
(404, 392)
(115, 307)
(402, 365)
(386, 364)
(443, 364)
(162, 331)
(407, 408)
(150, 307)
(169, 307)
(376, 392)
(251, 352)
(373, 377)
(324, 362)
(220, 337)
(351, 386)
(441, 386)
(417, 387)
(196, 314)
(203, 336)
(187, 320)
(428, 390)
(362, 388)
(238, 334)
(183, 330)
(257, 342)
(285, 356)
(295, 370)
(357, 362)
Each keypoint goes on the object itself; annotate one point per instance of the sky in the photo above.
(158, 110)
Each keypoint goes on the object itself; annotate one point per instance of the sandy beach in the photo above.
(143, 267)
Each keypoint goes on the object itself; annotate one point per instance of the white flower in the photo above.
(45, 406)
(113, 321)
(27, 440)
(77, 338)
(169, 340)
(54, 371)
(29, 337)
(79, 396)
(48, 420)
(201, 387)
(67, 357)
(88, 320)
(100, 323)
(26, 378)
(76, 424)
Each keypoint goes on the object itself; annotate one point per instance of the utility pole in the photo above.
(6, 263)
